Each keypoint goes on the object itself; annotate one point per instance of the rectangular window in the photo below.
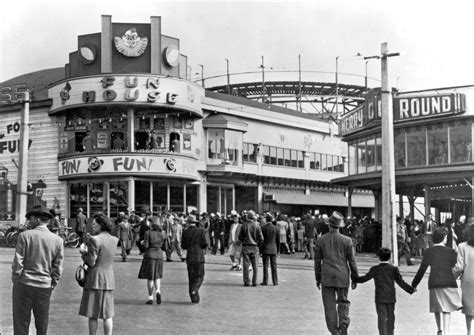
(280, 157)
(294, 158)
(118, 195)
(352, 158)
(400, 148)
(142, 195)
(362, 160)
(416, 145)
(266, 154)
(215, 143)
(317, 161)
(300, 159)
(160, 197)
(437, 143)
(312, 161)
(273, 156)
(370, 154)
(324, 165)
(287, 157)
(460, 138)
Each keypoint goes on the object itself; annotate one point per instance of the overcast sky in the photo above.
(435, 38)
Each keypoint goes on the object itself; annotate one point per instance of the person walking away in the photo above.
(151, 268)
(443, 289)
(134, 221)
(218, 234)
(194, 241)
(235, 247)
(309, 236)
(334, 263)
(291, 234)
(251, 238)
(144, 227)
(98, 294)
(402, 236)
(282, 224)
(36, 269)
(271, 237)
(452, 239)
(81, 225)
(175, 234)
(125, 236)
(385, 275)
(465, 269)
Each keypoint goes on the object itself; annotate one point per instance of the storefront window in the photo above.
(77, 197)
(416, 145)
(362, 160)
(160, 197)
(191, 197)
(460, 137)
(97, 198)
(399, 148)
(118, 195)
(352, 158)
(142, 195)
(177, 198)
(370, 155)
(437, 143)
(212, 199)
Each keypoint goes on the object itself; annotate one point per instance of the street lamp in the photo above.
(389, 227)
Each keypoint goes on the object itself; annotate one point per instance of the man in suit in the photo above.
(251, 237)
(271, 236)
(194, 241)
(36, 269)
(309, 235)
(81, 228)
(334, 263)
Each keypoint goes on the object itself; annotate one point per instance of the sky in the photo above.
(435, 39)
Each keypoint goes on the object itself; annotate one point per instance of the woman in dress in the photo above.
(152, 264)
(444, 294)
(465, 268)
(98, 295)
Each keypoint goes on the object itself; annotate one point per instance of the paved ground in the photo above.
(227, 307)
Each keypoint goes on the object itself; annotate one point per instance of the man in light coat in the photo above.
(235, 247)
(334, 263)
(36, 269)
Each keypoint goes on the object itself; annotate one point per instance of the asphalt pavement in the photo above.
(226, 307)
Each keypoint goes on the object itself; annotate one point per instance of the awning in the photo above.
(315, 198)
(225, 122)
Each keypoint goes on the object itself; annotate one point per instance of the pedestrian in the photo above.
(125, 236)
(36, 269)
(271, 238)
(219, 230)
(194, 241)
(443, 289)
(465, 269)
(282, 224)
(134, 221)
(452, 239)
(151, 268)
(385, 275)
(402, 242)
(251, 238)
(334, 264)
(310, 233)
(81, 225)
(235, 246)
(175, 233)
(98, 294)
(144, 227)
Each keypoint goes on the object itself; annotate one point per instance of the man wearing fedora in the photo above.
(334, 263)
(36, 269)
(194, 241)
(81, 225)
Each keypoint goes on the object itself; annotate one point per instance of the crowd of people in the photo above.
(330, 241)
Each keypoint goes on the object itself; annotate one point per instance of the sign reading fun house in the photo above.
(404, 109)
(152, 90)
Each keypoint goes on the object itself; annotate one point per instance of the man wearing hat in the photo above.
(334, 263)
(235, 248)
(269, 249)
(251, 238)
(36, 269)
(81, 221)
(194, 241)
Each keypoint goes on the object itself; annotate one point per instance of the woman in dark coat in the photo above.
(152, 264)
(98, 295)
(444, 294)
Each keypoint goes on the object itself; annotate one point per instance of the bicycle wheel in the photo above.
(73, 240)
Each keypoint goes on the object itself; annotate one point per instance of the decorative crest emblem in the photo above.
(130, 44)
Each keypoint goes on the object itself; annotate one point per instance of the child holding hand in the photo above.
(385, 275)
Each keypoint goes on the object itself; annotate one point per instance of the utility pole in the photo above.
(202, 75)
(366, 81)
(389, 226)
(22, 183)
(228, 77)
(263, 79)
(299, 83)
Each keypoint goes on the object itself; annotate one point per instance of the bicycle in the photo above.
(71, 240)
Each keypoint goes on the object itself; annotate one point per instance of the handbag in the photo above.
(81, 273)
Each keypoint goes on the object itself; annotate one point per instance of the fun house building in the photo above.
(433, 132)
(120, 127)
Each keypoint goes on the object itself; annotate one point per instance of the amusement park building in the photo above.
(120, 127)
(433, 134)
